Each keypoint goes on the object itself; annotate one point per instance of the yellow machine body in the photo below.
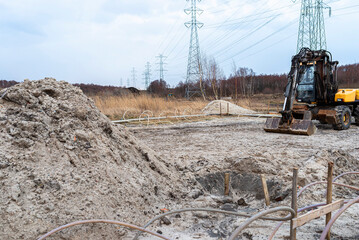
(347, 95)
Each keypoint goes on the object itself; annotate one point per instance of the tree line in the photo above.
(243, 82)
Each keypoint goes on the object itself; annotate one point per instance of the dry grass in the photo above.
(133, 106)
(119, 107)
(264, 103)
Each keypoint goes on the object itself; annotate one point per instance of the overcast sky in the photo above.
(100, 41)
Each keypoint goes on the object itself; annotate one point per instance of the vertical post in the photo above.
(226, 184)
(227, 108)
(293, 231)
(329, 194)
(220, 108)
(265, 189)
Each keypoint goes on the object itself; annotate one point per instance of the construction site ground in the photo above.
(63, 161)
(203, 151)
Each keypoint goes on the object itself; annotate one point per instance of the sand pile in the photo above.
(225, 107)
(61, 160)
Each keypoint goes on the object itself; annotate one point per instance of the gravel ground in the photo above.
(203, 151)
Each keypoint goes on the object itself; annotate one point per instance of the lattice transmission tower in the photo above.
(161, 68)
(194, 55)
(311, 32)
(147, 75)
(134, 77)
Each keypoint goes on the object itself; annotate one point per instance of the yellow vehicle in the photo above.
(313, 83)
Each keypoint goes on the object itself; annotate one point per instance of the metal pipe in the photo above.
(189, 116)
(158, 118)
(259, 215)
(101, 221)
(336, 216)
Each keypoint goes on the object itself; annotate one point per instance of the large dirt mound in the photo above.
(61, 160)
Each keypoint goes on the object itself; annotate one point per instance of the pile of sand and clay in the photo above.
(61, 160)
(225, 107)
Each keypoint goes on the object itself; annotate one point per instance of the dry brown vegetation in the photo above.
(133, 106)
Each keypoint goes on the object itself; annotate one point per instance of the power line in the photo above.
(169, 33)
(262, 40)
(233, 44)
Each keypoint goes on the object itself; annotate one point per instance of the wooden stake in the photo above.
(293, 231)
(329, 194)
(265, 189)
(220, 108)
(226, 184)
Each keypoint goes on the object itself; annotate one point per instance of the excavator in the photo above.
(312, 94)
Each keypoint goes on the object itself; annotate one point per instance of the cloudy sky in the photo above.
(101, 41)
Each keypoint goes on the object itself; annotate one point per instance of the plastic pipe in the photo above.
(207, 210)
(100, 221)
(259, 215)
(336, 216)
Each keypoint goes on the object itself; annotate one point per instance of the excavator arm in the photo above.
(287, 123)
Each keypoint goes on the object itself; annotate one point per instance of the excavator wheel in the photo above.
(344, 118)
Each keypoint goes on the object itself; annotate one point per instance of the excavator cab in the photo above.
(306, 85)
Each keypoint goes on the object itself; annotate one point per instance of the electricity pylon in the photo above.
(161, 64)
(147, 75)
(194, 56)
(319, 25)
(133, 72)
(311, 32)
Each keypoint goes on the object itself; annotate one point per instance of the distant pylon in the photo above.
(194, 55)
(133, 72)
(121, 82)
(161, 64)
(311, 32)
(128, 82)
(147, 75)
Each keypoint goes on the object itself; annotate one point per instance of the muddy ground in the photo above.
(204, 151)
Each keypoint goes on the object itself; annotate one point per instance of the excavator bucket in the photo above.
(298, 126)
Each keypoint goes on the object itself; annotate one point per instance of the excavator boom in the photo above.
(310, 73)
